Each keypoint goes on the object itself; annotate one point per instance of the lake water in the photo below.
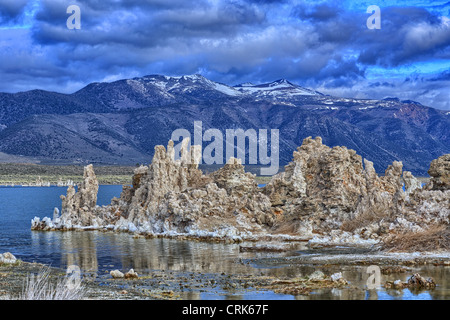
(95, 251)
(99, 252)
(18, 205)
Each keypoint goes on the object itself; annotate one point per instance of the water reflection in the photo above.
(97, 252)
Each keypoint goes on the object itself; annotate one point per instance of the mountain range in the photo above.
(120, 122)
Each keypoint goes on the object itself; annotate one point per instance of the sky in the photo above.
(323, 45)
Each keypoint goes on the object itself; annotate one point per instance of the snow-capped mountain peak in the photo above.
(280, 89)
(162, 89)
(186, 83)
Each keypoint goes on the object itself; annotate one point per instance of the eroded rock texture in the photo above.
(440, 173)
(171, 198)
(319, 188)
(78, 207)
(328, 194)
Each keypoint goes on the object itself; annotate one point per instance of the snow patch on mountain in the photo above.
(226, 89)
(368, 107)
(280, 88)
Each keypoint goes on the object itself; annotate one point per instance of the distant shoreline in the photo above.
(39, 175)
(45, 181)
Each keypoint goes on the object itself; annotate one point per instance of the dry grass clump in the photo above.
(434, 238)
(375, 214)
(287, 227)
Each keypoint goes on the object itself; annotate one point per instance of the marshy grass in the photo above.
(45, 286)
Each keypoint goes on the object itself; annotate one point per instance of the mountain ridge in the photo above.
(121, 121)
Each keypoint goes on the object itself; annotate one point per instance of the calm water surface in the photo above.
(100, 252)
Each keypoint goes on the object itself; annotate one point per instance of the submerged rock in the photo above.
(415, 281)
(316, 275)
(338, 278)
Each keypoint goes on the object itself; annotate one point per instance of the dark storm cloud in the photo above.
(146, 23)
(186, 26)
(319, 12)
(262, 2)
(11, 10)
(381, 84)
(443, 76)
(164, 36)
(407, 35)
(324, 44)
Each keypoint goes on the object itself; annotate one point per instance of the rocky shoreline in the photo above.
(325, 196)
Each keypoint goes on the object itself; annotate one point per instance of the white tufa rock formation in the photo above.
(325, 194)
(77, 207)
(7, 258)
